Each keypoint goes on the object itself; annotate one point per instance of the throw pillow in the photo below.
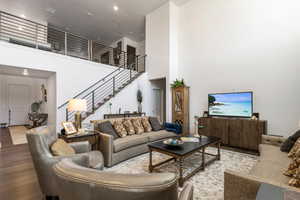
(295, 148)
(295, 181)
(146, 125)
(106, 127)
(289, 142)
(61, 148)
(138, 127)
(155, 124)
(120, 129)
(129, 127)
(291, 171)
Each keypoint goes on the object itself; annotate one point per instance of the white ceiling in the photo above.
(95, 19)
(17, 71)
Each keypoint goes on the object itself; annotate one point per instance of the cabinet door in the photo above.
(235, 132)
(219, 128)
(204, 122)
(250, 136)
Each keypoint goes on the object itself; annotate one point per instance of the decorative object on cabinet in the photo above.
(180, 107)
(139, 97)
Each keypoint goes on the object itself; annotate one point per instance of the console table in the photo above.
(234, 132)
(124, 115)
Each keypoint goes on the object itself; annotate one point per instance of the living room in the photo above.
(216, 48)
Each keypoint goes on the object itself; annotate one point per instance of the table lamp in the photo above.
(78, 106)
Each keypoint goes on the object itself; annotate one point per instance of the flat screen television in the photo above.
(238, 104)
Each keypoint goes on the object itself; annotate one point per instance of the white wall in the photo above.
(233, 45)
(52, 100)
(34, 85)
(157, 42)
(72, 74)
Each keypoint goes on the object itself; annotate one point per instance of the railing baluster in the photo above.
(66, 44)
(93, 100)
(114, 85)
(36, 36)
(67, 115)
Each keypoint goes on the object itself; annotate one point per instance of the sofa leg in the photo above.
(52, 198)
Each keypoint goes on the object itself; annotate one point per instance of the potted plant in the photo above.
(177, 83)
(139, 97)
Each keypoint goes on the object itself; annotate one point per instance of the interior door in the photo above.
(18, 104)
(131, 54)
(157, 112)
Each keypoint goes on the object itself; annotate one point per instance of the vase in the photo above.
(140, 108)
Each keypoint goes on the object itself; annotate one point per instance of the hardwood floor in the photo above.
(18, 179)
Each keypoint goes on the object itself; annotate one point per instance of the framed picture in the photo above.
(69, 127)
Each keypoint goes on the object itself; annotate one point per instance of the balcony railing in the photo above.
(25, 32)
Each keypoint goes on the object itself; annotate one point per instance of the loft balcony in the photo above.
(20, 31)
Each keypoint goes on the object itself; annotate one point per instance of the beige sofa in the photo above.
(269, 169)
(118, 150)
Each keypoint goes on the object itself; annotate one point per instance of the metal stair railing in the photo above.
(108, 87)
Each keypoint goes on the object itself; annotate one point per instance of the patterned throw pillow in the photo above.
(129, 127)
(295, 181)
(291, 171)
(138, 127)
(295, 148)
(120, 129)
(146, 124)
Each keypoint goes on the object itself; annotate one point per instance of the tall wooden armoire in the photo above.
(181, 108)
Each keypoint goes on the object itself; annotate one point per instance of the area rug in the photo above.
(18, 134)
(208, 184)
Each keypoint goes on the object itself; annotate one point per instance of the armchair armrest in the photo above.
(187, 192)
(81, 147)
(173, 127)
(272, 140)
(245, 186)
(106, 147)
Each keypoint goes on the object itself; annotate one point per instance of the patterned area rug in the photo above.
(18, 134)
(208, 184)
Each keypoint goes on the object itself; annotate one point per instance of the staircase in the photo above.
(107, 88)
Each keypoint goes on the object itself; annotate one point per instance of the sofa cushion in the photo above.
(129, 141)
(61, 148)
(289, 142)
(146, 124)
(106, 127)
(294, 149)
(155, 124)
(159, 135)
(271, 164)
(138, 127)
(129, 127)
(120, 129)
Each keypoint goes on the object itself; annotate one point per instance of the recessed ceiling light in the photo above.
(51, 10)
(116, 8)
(23, 16)
(25, 72)
(90, 14)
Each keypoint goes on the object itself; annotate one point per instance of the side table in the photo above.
(91, 136)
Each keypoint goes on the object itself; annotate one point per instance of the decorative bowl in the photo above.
(173, 142)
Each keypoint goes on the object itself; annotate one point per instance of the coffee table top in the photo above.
(186, 147)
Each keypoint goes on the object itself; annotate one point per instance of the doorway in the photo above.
(18, 104)
(158, 104)
(131, 54)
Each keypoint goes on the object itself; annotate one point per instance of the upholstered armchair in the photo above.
(39, 140)
(78, 183)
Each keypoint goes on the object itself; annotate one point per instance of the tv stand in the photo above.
(234, 132)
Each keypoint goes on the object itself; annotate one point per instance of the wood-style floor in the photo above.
(18, 179)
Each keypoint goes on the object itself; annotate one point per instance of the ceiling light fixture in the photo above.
(116, 8)
(90, 14)
(25, 72)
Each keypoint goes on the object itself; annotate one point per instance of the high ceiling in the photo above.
(95, 19)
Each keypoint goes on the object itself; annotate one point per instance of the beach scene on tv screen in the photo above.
(231, 104)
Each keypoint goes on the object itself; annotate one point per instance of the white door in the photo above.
(157, 111)
(18, 104)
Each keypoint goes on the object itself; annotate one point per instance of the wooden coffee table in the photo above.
(178, 154)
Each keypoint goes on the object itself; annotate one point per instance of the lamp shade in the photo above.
(77, 105)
